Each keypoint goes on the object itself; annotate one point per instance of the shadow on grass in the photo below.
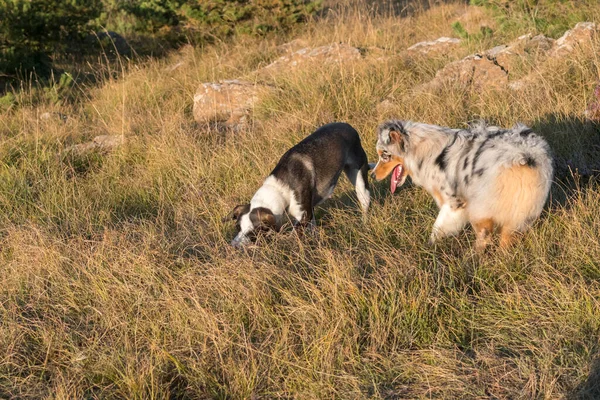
(575, 143)
(590, 388)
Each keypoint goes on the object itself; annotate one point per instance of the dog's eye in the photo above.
(385, 157)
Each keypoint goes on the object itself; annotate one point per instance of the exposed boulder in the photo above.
(536, 43)
(102, 143)
(439, 46)
(228, 102)
(581, 35)
(507, 55)
(474, 71)
(331, 53)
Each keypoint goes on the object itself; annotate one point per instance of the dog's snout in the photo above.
(240, 241)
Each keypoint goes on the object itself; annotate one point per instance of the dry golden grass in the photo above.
(117, 280)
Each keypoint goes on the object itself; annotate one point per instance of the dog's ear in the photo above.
(266, 218)
(391, 132)
(236, 212)
(399, 139)
(395, 137)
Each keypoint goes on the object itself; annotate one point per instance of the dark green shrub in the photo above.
(248, 16)
(33, 30)
(202, 19)
(140, 16)
(550, 17)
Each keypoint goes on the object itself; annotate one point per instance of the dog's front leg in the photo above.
(303, 213)
(309, 222)
(456, 202)
(306, 216)
(449, 221)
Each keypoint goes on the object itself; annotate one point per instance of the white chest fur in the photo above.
(277, 197)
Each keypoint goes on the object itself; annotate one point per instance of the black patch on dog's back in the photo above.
(440, 160)
(466, 152)
(478, 153)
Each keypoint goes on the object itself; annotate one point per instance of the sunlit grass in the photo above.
(117, 280)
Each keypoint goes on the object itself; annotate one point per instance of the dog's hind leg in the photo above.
(483, 229)
(448, 222)
(508, 236)
(359, 178)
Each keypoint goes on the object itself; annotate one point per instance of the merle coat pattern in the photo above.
(485, 175)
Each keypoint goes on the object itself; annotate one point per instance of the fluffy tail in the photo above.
(535, 152)
(515, 197)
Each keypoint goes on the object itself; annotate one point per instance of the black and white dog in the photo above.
(304, 177)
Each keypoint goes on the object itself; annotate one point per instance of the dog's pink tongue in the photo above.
(396, 174)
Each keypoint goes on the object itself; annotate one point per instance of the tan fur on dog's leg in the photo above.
(483, 230)
(507, 237)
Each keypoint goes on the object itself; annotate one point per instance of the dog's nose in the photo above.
(240, 241)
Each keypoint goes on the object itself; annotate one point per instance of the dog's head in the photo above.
(250, 222)
(392, 146)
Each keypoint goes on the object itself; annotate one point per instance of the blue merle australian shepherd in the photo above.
(487, 176)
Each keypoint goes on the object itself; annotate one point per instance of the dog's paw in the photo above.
(432, 240)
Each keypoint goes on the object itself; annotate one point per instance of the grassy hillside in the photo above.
(117, 280)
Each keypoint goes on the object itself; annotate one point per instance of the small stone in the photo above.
(102, 143)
